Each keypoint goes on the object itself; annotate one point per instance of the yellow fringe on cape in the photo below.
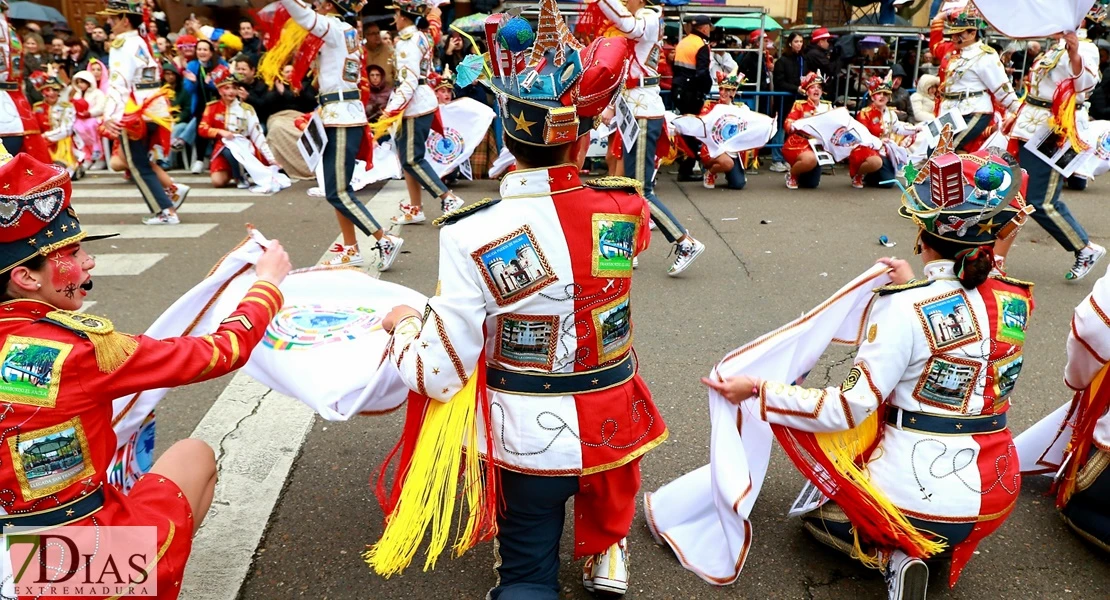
(164, 120)
(1063, 123)
(289, 42)
(1077, 448)
(384, 124)
(430, 488)
(844, 448)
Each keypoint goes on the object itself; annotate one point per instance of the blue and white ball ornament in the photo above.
(516, 35)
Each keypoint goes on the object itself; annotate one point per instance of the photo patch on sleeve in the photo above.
(527, 340)
(1013, 314)
(947, 382)
(49, 460)
(350, 37)
(351, 69)
(613, 327)
(514, 266)
(1006, 373)
(31, 371)
(614, 239)
(948, 321)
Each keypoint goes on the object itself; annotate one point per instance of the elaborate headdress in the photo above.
(186, 40)
(222, 76)
(37, 218)
(445, 80)
(412, 7)
(966, 19)
(880, 85)
(122, 7)
(42, 81)
(812, 79)
(970, 199)
(549, 88)
(731, 81)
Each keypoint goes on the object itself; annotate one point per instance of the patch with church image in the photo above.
(947, 382)
(948, 321)
(31, 371)
(1006, 373)
(614, 240)
(350, 38)
(49, 460)
(527, 340)
(513, 266)
(351, 69)
(613, 328)
(1013, 315)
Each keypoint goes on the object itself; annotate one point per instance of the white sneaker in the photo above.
(389, 248)
(345, 256)
(243, 185)
(779, 167)
(316, 192)
(162, 218)
(651, 224)
(197, 168)
(686, 252)
(451, 203)
(1085, 260)
(906, 578)
(410, 215)
(607, 573)
(709, 179)
(635, 261)
(177, 194)
(98, 165)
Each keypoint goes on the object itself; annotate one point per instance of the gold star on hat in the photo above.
(522, 124)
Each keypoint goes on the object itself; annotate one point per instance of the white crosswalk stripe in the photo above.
(85, 193)
(131, 232)
(110, 179)
(125, 264)
(139, 208)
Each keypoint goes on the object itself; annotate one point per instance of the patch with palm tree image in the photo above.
(31, 370)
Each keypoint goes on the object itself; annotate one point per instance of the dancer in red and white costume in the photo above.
(882, 121)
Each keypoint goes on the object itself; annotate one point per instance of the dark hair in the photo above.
(251, 61)
(34, 263)
(211, 48)
(537, 156)
(73, 41)
(135, 20)
(246, 20)
(973, 263)
(786, 47)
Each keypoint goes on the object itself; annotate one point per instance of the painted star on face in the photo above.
(522, 124)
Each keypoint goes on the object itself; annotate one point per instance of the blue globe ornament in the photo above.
(990, 177)
(516, 35)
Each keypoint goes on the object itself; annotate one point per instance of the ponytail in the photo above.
(973, 263)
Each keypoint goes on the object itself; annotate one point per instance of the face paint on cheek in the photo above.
(66, 274)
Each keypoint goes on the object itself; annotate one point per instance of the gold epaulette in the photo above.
(118, 43)
(406, 36)
(894, 288)
(1012, 281)
(111, 348)
(614, 182)
(211, 102)
(465, 211)
(988, 49)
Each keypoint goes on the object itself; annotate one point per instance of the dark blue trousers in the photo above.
(736, 178)
(1043, 192)
(137, 154)
(12, 143)
(529, 529)
(830, 526)
(885, 173)
(412, 138)
(976, 125)
(1088, 511)
(339, 162)
(810, 179)
(639, 164)
(236, 170)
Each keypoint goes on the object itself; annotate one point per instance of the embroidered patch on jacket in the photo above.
(527, 340)
(51, 459)
(1013, 315)
(614, 240)
(31, 371)
(948, 321)
(947, 382)
(1006, 373)
(350, 38)
(351, 68)
(851, 380)
(514, 266)
(613, 327)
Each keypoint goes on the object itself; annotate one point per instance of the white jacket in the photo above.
(645, 28)
(1089, 348)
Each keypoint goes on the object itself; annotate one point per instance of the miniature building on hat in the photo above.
(946, 180)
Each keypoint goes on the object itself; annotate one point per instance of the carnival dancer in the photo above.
(643, 25)
(414, 103)
(941, 358)
(88, 100)
(226, 118)
(1083, 482)
(45, 276)
(343, 114)
(56, 119)
(135, 76)
(1060, 79)
(522, 278)
(972, 76)
(804, 170)
(728, 163)
(867, 165)
(19, 129)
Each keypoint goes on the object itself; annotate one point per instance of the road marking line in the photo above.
(131, 232)
(87, 306)
(257, 435)
(138, 208)
(117, 179)
(86, 193)
(109, 265)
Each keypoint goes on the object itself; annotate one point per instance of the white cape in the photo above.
(266, 178)
(1034, 18)
(704, 515)
(728, 128)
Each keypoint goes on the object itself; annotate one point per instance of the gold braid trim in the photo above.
(614, 182)
(111, 348)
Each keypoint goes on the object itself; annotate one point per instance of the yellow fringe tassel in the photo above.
(382, 126)
(1068, 480)
(844, 448)
(289, 42)
(430, 489)
(1065, 125)
(112, 349)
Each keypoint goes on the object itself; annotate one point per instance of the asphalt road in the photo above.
(771, 255)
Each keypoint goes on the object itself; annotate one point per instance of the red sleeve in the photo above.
(645, 229)
(435, 29)
(207, 126)
(178, 361)
(796, 113)
(865, 116)
(937, 45)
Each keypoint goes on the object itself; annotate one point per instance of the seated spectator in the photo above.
(254, 91)
(900, 98)
(198, 84)
(97, 37)
(88, 102)
(226, 118)
(924, 97)
(34, 59)
(252, 44)
(380, 89)
(186, 46)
